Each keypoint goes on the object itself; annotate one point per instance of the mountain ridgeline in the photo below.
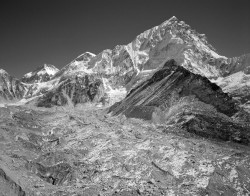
(115, 73)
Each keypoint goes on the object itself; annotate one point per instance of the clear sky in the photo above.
(34, 32)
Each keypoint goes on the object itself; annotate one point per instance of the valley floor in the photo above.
(88, 152)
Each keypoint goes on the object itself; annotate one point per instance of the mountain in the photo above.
(11, 89)
(123, 68)
(30, 85)
(174, 95)
(174, 39)
(111, 70)
(72, 91)
(174, 80)
(77, 65)
(41, 74)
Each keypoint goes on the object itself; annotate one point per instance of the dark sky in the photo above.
(34, 32)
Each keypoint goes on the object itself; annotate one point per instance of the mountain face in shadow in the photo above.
(175, 96)
(174, 79)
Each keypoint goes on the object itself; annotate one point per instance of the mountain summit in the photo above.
(41, 74)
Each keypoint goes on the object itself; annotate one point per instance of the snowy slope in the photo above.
(41, 74)
(174, 39)
(235, 78)
(237, 85)
(235, 64)
(80, 64)
(151, 49)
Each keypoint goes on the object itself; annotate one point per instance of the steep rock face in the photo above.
(174, 79)
(115, 66)
(41, 74)
(175, 96)
(112, 62)
(11, 89)
(71, 91)
(174, 39)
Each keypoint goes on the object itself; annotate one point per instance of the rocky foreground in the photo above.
(65, 151)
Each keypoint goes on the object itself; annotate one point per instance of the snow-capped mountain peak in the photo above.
(49, 69)
(40, 74)
(79, 64)
(175, 39)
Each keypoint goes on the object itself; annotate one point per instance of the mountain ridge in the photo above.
(124, 67)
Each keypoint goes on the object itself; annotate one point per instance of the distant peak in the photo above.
(45, 66)
(49, 66)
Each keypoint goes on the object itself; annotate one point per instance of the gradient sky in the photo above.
(34, 32)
